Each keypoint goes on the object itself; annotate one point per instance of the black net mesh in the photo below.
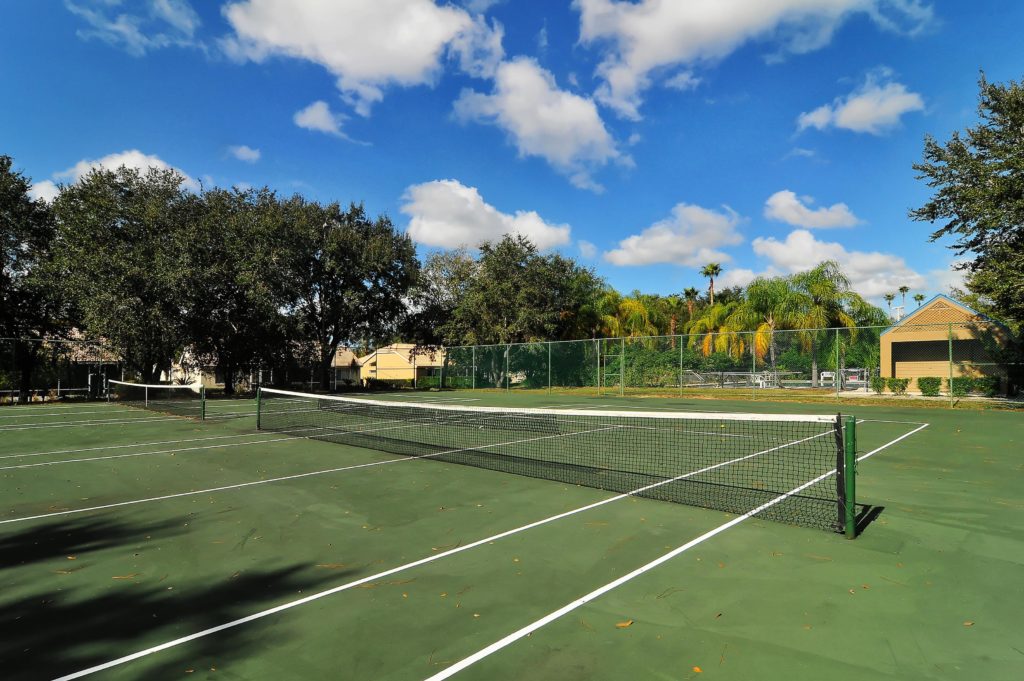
(177, 400)
(729, 462)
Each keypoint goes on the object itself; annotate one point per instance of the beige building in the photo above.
(943, 337)
(400, 362)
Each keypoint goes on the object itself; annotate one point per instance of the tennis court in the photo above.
(141, 545)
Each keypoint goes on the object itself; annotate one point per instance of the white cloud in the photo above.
(448, 214)
(130, 158)
(646, 38)
(46, 190)
(319, 118)
(542, 120)
(156, 24)
(588, 251)
(785, 206)
(366, 44)
(245, 153)
(689, 237)
(872, 273)
(874, 107)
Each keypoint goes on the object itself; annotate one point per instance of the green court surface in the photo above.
(139, 546)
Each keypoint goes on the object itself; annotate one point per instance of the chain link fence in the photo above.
(33, 370)
(939, 361)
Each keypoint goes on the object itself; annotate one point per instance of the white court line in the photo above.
(288, 477)
(407, 566)
(61, 413)
(89, 422)
(134, 454)
(569, 607)
(139, 444)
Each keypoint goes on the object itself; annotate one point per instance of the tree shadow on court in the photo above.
(55, 631)
(77, 537)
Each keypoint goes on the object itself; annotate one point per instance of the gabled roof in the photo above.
(956, 303)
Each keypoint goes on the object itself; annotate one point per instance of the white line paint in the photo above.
(139, 444)
(90, 422)
(600, 591)
(62, 413)
(401, 568)
(134, 454)
(286, 477)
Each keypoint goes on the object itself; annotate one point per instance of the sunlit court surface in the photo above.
(141, 545)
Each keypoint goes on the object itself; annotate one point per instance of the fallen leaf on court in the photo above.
(72, 557)
(865, 586)
(623, 625)
(969, 623)
(697, 670)
(134, 574)
(332, 566)
(476, 614)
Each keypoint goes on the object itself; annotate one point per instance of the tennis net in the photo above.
(798, 468)
(178, 400)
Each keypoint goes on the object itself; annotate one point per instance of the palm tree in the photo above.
(711, 270)
(766, 307)
(673, 307)
(819, 300)
(691, 294)
(919, 298)
(904, 290)
(635, 314)
(608, 324)
(889, 297)
(717, 330)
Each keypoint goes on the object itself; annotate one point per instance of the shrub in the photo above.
(878, 384)
(988, 386)
(898, 385)
(959, 386)
(929, 385)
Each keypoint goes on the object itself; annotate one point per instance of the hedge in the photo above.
(929, 385)
(878, 384)
(898, 385)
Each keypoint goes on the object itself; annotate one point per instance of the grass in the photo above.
(929, 591)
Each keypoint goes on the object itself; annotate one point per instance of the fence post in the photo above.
(839, 374)
(549, 367)
(951, 365)
(622, 367)
(753, 365)
(680, 365)
(474, 367)
(597, 342)
(440, 378)
(508, 352)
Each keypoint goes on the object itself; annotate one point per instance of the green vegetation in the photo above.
(898, 386)
(929, 385)
(878, 384)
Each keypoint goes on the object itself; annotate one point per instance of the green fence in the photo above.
(978, 359)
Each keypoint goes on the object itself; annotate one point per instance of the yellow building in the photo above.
(942, 338)
(400, 362)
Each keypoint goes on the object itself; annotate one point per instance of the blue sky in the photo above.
(645, 138)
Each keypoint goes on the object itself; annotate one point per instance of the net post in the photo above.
(259, 406)
(846, 476)
(145, 393)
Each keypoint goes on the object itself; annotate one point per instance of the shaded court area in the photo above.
(123, 531)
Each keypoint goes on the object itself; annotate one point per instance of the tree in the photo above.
(31, 304)
(121, 251)
(691, 295)
(442, 283)
(518, 295)
(717, 331)
(919, 298)
(237, 288)
(904, 290)
(819, 300)
(767, 307)
(710, 271)
(889, 297)
(349, 277)
(977, 178)
(674, 306)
